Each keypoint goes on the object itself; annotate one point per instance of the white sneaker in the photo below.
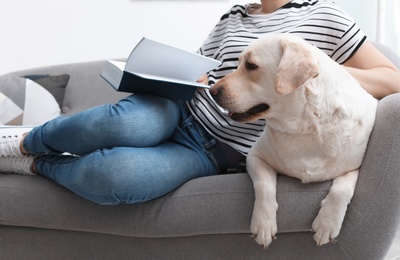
(19, 165)
(10, 139)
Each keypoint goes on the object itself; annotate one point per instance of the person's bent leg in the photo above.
(126, 175)
(136, 121)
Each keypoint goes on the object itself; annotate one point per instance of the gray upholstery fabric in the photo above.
(206, 218)
(373, 214)
(211, 205)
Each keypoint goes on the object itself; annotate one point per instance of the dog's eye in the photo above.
(251, 66)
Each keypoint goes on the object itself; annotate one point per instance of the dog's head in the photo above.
(269, 69)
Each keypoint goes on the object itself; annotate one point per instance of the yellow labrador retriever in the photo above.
(318, 122)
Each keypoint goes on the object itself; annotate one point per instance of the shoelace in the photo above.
(9, 145)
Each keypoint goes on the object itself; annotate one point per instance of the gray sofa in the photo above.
(206, 218)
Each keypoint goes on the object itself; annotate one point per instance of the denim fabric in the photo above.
(136, 150)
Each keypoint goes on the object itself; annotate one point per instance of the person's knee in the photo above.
(148, 120)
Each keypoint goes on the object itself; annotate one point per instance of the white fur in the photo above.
(317, 127)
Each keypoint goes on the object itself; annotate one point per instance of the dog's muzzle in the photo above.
(218, 94)
(250, 114)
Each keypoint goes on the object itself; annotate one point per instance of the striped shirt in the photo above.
(320, 23)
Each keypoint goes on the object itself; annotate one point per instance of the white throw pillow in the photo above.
(40, 105)
(8, 110)
(25, 102)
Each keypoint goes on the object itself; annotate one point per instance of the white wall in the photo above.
(46, 32)
(365, 12)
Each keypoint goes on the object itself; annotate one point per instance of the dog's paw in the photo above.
(326, 227)
(264, 228)
(264, 232)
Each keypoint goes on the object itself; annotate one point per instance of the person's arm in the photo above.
(376, 74)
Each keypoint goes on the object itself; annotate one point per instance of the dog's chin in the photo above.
(251, 114)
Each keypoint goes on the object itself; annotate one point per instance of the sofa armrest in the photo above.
(374, 213)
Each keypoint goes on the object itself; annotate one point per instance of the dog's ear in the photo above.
(295, 68)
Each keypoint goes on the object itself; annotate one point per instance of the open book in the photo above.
(159, 69)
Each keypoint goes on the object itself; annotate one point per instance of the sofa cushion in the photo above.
(220, 204)
(55, 84)
(25, 102)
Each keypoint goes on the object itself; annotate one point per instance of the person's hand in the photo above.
(203, 79)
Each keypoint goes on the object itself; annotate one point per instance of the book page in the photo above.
(155, 58)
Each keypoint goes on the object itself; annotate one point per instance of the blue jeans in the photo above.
(133, 151)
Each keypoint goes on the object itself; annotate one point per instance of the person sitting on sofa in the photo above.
(146, 146)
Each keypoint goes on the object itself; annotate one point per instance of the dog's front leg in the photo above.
(263, 222)
(329, 220)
